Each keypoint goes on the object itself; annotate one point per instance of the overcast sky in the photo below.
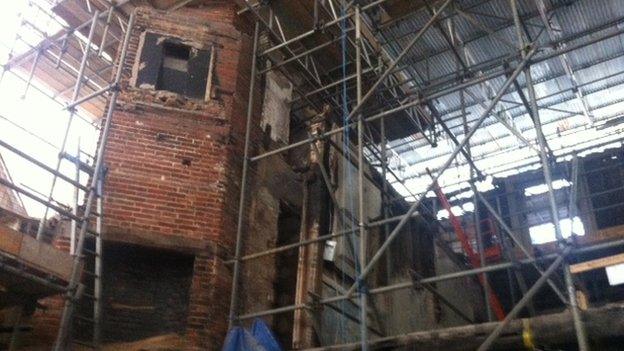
(39, 115)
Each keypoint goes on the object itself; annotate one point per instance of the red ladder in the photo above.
(472, 255)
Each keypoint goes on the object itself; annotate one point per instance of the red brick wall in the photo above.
(166, 174)
(150, 187)
(174, 171)
(174, 165)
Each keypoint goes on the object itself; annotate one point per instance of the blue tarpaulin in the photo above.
(239, 339)
(263, 334)
(261, 338)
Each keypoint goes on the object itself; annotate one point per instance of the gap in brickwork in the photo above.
(146, 292)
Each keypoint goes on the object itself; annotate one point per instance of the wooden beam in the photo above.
(603, 323)
(35, 254)
(597, 263)
(178, 243)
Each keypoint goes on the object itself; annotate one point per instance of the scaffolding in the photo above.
(83, 53)
(389, 75)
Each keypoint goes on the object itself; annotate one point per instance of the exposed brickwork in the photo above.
(45, 321)
(166, 174)
(175, 167)
(174, 176)
(171, 168)
(143, 299)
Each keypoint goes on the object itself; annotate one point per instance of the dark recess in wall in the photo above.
(146, 292)
(608, 187)
(289, 223)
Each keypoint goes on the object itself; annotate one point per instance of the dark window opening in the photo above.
(177, 51)
(289, 223)
(173, 66)
(173, 74)
(176, 57)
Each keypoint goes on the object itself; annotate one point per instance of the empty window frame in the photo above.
(172, 65)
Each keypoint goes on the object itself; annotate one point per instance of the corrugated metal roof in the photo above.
(598, 69)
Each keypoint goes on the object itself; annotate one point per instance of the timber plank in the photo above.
(597, 263)
(36, 254)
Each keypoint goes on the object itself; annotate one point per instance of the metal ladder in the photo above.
(89, 301)
(75, 287)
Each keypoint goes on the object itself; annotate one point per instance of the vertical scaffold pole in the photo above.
(74, 223)
(97, 276)
(101, 49)
(579, 327)
(385, 198)
(361, 209)
(243, 189)
(14, 343)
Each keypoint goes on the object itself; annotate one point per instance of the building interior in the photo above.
(312, 175)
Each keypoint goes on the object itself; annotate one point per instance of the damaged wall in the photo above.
(172, 165)
(144, 299)
(413, 250)
(175, 166)
(276, 108)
